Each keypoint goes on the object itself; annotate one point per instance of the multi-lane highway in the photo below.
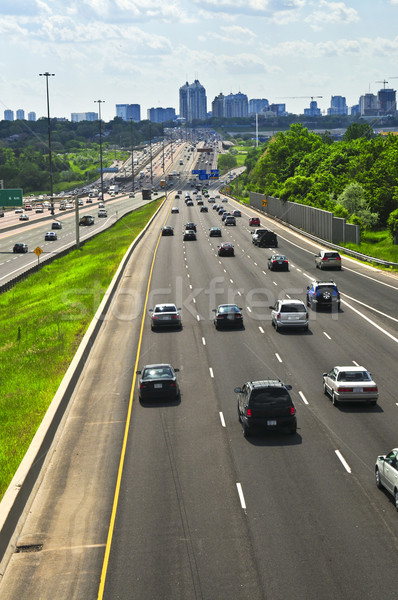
(170, 501)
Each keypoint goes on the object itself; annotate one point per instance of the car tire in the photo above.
(377, 477)
(246, 430)
(335, 402)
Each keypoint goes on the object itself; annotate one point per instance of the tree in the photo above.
(358, 130)
(392, 224)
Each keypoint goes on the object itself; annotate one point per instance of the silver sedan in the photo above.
(350, 384)
(386, 473)
(165, 315)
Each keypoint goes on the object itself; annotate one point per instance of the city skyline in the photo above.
(140, 52)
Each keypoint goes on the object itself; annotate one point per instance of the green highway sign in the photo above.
(11, 197)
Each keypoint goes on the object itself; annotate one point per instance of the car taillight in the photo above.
(344, 389)
(370, 389)
(292, 410)
(324, 258)
(142, 386)
(175, 316)
(249, 412)
(338, 257)
(172, 384)
(278, 315)
(306, 315)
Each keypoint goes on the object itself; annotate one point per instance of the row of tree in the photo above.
(356, 178)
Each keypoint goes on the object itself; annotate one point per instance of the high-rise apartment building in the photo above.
(217, 106)
(338, 106)
(86, 116)
(236, 105)
(8, 115)
(20, 114)
(193, 101)
(368, 105)
(313, 110)
(387, 102)
(31, 116)
(161, 115)
(257, 105)
(129, 111)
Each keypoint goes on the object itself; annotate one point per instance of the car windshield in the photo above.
(354, 376)
(270, 395)
(165, 308)
(157, 372)
(289, 308)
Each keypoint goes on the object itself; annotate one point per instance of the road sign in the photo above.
(108, 169)
(11, 197)
(38, 251)
(265, 202)
(204, 176)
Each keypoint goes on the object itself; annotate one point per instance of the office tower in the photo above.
(129, 111)
(217, 106)
(161, 115)
(338, 106)
(193, 101)
(257, 105)
(236, 105)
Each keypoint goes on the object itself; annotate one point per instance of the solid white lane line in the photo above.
(222, 419)
(343, 461)
(278, 357)
(211, 372)
(241, 496)
(371, 308)
(394, 339)
(261, 330)
(304, 399)
(327, 335)
(203, 341)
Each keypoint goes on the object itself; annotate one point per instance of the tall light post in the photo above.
(150, 152)
(47, 75)
(100, 137)
(132, 154)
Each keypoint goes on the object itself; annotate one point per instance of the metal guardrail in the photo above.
(348, 251)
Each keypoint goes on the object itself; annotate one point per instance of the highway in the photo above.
(193, 510)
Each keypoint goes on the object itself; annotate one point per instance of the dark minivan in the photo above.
(266, 405)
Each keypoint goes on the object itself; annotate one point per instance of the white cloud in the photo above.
(331, 13)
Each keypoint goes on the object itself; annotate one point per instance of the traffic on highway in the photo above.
(233, 434)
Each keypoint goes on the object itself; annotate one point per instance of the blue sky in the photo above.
(142, 51)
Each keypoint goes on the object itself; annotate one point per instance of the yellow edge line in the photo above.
(126, 432)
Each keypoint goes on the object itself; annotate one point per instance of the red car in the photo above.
(254, 222)
(226, 249)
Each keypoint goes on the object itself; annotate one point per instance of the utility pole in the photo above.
(100, 138)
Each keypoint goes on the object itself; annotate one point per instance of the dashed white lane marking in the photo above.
(222, 419)
(261, 330)
(327, 335)
(248, 308)
(278, 357)
(203, 341)
(304, 399)
(211, 372)
(241, 496)
(343, 461)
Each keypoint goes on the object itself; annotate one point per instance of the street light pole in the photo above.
(100, 134)
(132, 154)
(47, 75)
(150, 152)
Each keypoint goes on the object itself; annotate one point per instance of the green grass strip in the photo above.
(42, 322)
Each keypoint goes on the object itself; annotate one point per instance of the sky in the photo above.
(143, 51)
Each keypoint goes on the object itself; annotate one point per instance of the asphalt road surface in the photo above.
(192, 509)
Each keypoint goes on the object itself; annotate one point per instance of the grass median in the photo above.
(43, 320)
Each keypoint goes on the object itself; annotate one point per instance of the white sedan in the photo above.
(386, 473)
(350, 384)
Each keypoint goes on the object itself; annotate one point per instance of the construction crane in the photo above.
(295, 97)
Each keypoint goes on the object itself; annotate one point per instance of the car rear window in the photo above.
(165, 308)
(289, 308)
(157, 372)
(270, 395)
(354, 376)
(331, 255)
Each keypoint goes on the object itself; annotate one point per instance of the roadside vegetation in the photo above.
(43, 320)
(355, 178)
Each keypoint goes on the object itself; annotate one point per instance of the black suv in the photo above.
(191, 226)
(323, 294)
(266, 405)
(266, 239)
